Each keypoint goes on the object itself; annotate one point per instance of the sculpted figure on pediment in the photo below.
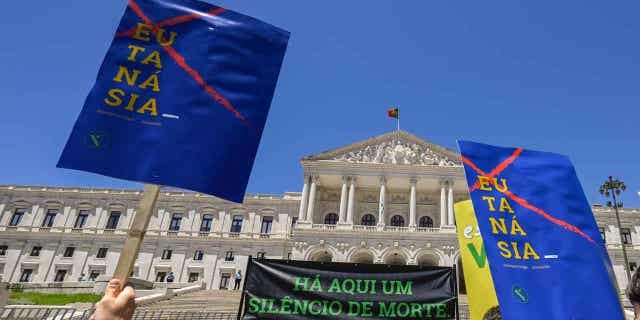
(397, 152)
(367, 155)
(379, 153)
(428, 159)
(389, 157)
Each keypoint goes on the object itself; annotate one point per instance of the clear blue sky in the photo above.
(560, 76)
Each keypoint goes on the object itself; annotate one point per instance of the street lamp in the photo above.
(612, 188)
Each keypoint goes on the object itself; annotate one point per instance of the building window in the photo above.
(626, 235)
(17, 217)
(368, 220)
(236, 224)
(207, 223)
(176, 221)
(102, 253)
(229, 256)
(331, 218)
(425, 222)
(49, 218)
(397, 221)
(3, 250)
(166, 254)
(260, 255)
(93, 275)
(68, 252)
(603, 235)
(26, 275)
(60, 275)
(224, 281)
(114, 218)
(161, 276)
(35, 251)
(81, 219)
(198, 255)
(193, 277)
(267, 222)
(633, 266)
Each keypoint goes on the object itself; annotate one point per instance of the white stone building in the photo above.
(385, 200)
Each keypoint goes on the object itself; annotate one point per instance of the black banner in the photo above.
(284, 290)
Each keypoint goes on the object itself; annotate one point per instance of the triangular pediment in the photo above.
(394, 148)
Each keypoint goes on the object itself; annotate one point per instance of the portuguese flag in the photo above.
(394, 113)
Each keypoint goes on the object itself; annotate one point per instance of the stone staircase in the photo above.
(200, 301)
(463, 307)
(228, 301)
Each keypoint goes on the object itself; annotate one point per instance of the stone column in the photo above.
(312, 199)
(36, 212)
(352, 200)
(252, 219)
(412, 204)
(382, 203)
(221, 223)
(303, 202)
(67, 212)
(3, 215)
(343, 201)
(443, 203)
(452, 220)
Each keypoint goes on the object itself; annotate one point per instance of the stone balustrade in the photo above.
(150, 232)
(388, 229)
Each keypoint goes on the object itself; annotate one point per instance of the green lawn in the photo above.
(35, 298)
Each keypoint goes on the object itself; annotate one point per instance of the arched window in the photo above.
(426, 222)
(397, 221)
(368, 220)
(323, 256)
(331, 218)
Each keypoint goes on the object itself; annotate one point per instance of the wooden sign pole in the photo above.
(136, 233)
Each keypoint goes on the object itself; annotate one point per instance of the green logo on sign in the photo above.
(97, 140)
(520, 294)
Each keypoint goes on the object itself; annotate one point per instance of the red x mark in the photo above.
(179, 59)
(497, 170)
(501, 167)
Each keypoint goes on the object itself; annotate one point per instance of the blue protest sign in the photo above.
(546, 255)
(181, 98)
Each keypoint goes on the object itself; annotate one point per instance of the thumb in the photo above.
(113, 288)
(127, 296)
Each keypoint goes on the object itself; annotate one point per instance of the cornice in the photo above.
(378, 169)
(134, 194)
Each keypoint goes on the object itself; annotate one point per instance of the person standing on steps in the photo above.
(238, 278)
(171, 277)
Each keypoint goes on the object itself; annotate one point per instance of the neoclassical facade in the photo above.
(387, 200)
